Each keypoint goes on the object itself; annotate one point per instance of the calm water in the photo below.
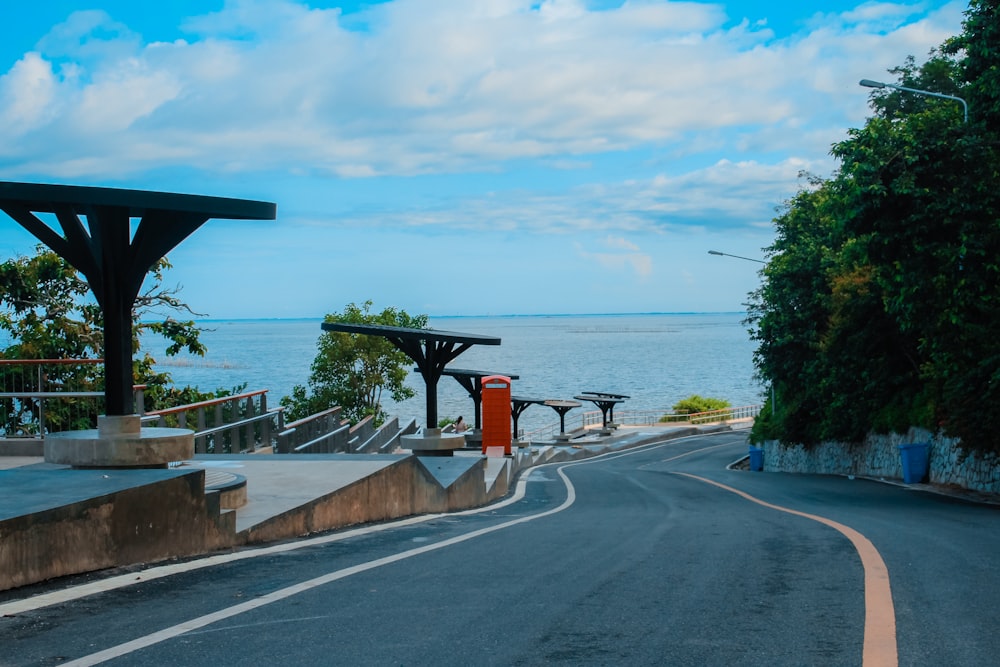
(655, 359)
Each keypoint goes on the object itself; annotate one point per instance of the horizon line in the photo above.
(487, 315)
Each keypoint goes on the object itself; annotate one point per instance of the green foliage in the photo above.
(352, 370)
(696, 403)
(44, 308)
(882, 292)
(48, 312)
(765, 426)
(693, 404)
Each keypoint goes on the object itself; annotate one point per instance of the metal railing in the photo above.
(547, 432)
(651, 417)
(592, 418)
(39, 396)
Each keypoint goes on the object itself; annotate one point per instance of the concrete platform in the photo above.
(280, 483)
(57, 520)
(40, 487)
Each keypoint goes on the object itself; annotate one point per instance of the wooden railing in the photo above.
(325, 433)
(321, 433)
(226, 425)
(40, 396)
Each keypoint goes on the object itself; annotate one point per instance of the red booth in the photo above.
(496, 413)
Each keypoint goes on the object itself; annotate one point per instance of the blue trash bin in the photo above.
(915, 461)
(756, 458)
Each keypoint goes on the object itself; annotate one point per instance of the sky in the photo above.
(453, 157)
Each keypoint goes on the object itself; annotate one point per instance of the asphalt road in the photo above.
(636, 558)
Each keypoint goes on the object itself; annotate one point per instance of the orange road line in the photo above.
(880, 615)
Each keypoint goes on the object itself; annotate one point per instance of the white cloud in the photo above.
(624, 256)
(27, 93)
(619, 243)
(90, 35)
(438, 87)
(722, 196)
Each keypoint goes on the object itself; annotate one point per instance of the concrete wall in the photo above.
(21, 447)
(878, 456)
(163, 519)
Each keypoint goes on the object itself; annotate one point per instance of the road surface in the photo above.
(654, 556)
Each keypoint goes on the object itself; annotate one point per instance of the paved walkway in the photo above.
(8, 462)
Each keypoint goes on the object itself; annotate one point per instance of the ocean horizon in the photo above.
(655, 358)
(455, 317)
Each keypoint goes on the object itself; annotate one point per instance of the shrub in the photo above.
(695, 403)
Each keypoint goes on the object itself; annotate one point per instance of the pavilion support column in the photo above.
(115, 263)
(118, 359)
(432, 402)
(477, 402)
(116, 291)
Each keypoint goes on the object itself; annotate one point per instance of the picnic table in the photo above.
(519, 404)
(605, 402)
(562, 407)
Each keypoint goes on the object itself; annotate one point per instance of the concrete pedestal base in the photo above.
(432, 442)
(120, 442)
(473, 439)
(563, 437)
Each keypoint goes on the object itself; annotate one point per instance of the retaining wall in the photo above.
(878, 456)
(166, 514)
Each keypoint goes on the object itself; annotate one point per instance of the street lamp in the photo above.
(868, 83)
(774, 400)
(726, 254)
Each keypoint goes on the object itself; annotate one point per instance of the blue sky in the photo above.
(452, 157)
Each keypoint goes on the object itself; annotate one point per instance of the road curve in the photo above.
(650, 556)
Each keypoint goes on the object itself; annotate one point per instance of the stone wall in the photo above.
(878, 456)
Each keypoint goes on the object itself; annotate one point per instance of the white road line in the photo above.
(276, 596)
(157, 572)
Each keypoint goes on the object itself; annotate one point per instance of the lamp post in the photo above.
(774, 401)
(868, 83)
(726, 254)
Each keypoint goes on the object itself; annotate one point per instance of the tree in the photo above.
(881, 298)
(352, 370)
(49, 313)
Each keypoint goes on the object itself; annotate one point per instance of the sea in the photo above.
(655, 359)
